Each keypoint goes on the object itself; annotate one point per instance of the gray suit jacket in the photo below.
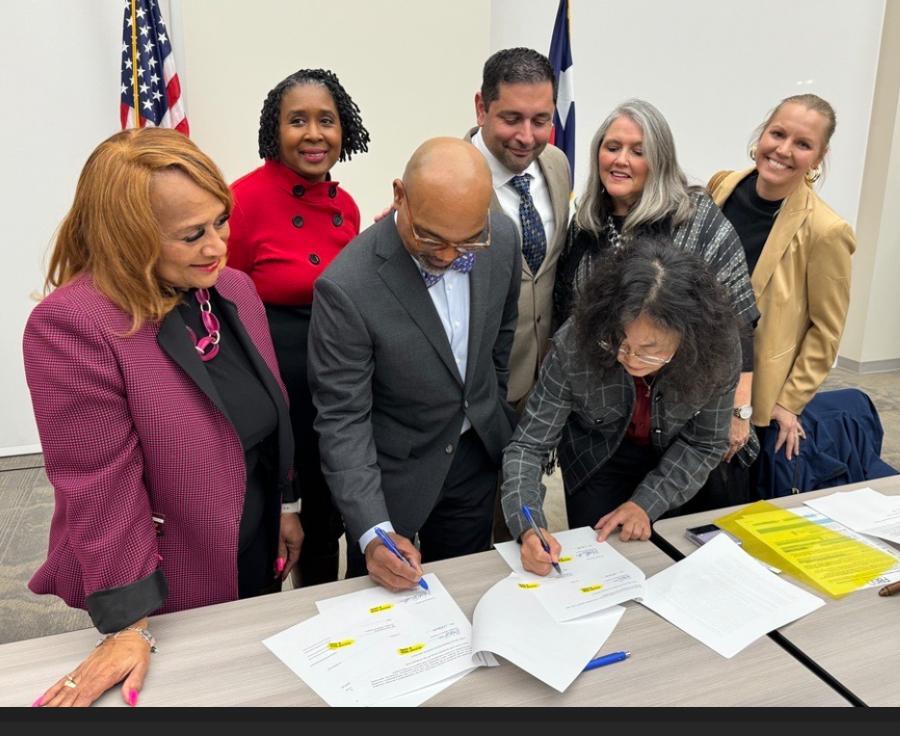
(536, 296)
(390, 399)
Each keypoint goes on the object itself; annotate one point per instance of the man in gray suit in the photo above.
(514, 111)
(412, 326)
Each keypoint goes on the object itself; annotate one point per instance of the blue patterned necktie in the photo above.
(534, 239)
(462, 263)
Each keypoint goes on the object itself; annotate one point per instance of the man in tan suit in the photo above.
(514, 111)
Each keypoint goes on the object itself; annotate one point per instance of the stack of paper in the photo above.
(374, 647)
(725, 598)
(865, 511)
(595, 576)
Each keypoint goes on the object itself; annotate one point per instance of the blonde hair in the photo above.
(810, 102)
(111, 231)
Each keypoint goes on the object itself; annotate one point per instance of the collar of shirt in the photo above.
(499, 173)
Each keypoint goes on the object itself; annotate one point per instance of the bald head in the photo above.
(443, 198)
(451, 170)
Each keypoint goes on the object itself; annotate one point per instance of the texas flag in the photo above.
(563, 136)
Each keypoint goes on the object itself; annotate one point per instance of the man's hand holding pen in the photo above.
(534, 559)
(391, 571)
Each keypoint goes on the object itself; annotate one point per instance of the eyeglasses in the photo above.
(434, 244)
(647, 359)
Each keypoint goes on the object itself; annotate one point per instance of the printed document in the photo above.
(865, 511)
(724, 598)
(510, 621)
(595, 576)
(890, 576)
(832, 562)
(436, 648)
(374, 647)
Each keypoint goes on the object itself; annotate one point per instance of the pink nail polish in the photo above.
(279, 565)
(37, 703)
(132, 698)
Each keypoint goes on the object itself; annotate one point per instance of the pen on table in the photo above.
(606, 659)
(389, 543)
(527, 512)
(890, 589)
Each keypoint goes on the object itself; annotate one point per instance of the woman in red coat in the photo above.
(289, 222)
(162, 417)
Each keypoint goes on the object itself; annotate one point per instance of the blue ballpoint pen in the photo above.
(606, 659)
(389, 543)
(527, 512)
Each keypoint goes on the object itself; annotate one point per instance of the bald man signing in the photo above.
(412, 326)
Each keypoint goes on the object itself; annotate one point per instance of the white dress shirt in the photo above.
(509, 197)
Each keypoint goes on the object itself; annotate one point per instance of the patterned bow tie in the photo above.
(462, 263)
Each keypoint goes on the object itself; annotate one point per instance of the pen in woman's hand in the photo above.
(537, 530)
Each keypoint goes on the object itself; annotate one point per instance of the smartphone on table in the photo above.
(700, 535)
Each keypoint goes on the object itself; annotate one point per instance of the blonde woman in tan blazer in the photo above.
(798, 252)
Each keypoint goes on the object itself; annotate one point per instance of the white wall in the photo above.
(60, 87)
(715, 68)
(412, 67)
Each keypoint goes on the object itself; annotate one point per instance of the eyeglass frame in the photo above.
(645, 359)
(442, 244)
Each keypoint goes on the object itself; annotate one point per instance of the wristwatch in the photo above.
(743, 412)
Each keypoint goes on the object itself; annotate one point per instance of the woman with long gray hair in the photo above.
(636, 187)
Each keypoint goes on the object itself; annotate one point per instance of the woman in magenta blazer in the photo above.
(162, 417)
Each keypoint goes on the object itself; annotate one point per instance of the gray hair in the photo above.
(666, 192)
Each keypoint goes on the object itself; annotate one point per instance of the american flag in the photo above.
(149, 79)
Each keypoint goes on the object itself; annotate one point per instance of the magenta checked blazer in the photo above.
(131, 428)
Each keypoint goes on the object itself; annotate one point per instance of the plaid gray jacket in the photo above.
(584, 415)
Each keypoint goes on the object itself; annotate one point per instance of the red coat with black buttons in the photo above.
(285, 230)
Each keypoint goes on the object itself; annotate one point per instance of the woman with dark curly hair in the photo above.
(289, 222)
(635, 395)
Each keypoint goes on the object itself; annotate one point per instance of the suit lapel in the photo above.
(479, 295)
(558, 185)
(794, 211)
(402, 277)
(173, 340)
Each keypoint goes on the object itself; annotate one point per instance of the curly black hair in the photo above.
(677, 291)
(354, 137)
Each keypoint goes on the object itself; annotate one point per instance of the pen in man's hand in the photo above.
(890, 589)
(606, 659)
(527, 512)
(389, 543)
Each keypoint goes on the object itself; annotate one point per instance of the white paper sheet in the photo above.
(509, 621)
(595, 576)
(724, 598)
(377, 648)
(865, 511)
(436, 650)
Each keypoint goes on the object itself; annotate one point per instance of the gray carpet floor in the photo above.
(26, 506)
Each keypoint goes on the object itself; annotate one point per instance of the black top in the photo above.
(752, 217)
(250, 410)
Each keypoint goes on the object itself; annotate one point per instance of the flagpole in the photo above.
(135, 60)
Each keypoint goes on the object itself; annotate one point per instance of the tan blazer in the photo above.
(802, 288)
(536, 296)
